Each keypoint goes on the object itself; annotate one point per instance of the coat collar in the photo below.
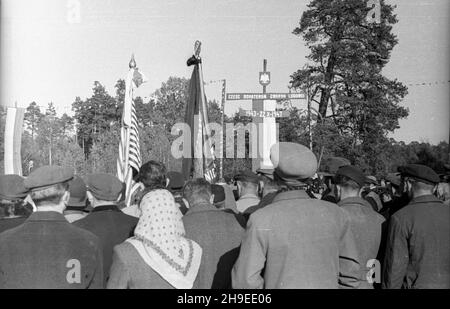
(291, 195)
(200, 207)
(425, 199)
(105, 207)
(354, 201)
(46, 216)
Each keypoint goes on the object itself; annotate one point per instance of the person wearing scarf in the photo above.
(158, 256)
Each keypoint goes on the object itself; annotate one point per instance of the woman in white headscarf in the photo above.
(158, 256)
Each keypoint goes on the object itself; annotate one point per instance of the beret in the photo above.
(419, 172)
(247, 176)
(353, 173)
(293, 161)
(219, 193)
(176, 180)
(104, 187)
(77, 189)
(332, 164)
(46, 176)
(12, 187)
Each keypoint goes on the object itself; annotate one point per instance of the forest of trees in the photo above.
(88, 141)
(357, 107)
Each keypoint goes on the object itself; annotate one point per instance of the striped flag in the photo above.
(202, 163)
(13, 140)
(129, 161)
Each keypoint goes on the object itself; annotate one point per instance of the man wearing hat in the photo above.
(106, 221)
(418, 241)
(331, 165)
(397, 198)
(218, 232)
(298, 241)
(47, 251)
(371, 184)
(76, 206)
(13, 209)
(247, 185)
(175, 186)
(268, 188)
(365, 223)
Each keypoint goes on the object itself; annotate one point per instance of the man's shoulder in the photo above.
(287, 208)
(73, 234)
(98, 217)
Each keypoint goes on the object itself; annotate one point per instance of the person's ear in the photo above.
(360, 192)
(66, 197)
(337, 191)
(211, 199)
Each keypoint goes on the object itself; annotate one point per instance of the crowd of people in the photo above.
(293, 226)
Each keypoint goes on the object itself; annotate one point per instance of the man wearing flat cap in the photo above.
(247, 185)
(47, 251)
(330, 166)
(175, 186)
(418, 241)
(300, 242)
(13, 209)
(76, 207)
(106, 220)
(365, 223)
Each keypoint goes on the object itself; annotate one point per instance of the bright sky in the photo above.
(46, 55)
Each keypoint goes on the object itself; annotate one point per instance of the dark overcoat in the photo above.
(300, 242)
(418, 246)
(48, 252)
(219, 233)
(366, 226)
(112, 227)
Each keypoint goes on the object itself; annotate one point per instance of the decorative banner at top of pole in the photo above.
(195, 59)
(132, 63)
(197, 48)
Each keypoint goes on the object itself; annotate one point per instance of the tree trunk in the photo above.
(328, 78)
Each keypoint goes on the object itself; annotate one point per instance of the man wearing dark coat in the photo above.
(418, 241)
(46, 251)
(298, 241)
(106, 221)
(365, 223)
(218, 232)
(13, 209)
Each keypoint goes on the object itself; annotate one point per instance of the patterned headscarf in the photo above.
(159, 239)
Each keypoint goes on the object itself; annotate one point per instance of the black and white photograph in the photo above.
(224, 145)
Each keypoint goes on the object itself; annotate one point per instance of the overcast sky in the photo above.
(49, 55)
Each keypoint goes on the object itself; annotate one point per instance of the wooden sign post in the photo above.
(264, 114)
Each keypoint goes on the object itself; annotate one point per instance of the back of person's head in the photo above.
(219, 195)
(50, 196)
(78, 196)
(349, 181)
(153, 175)
(176, 181)
(49, 185)
(346, 182)
(197, 190)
